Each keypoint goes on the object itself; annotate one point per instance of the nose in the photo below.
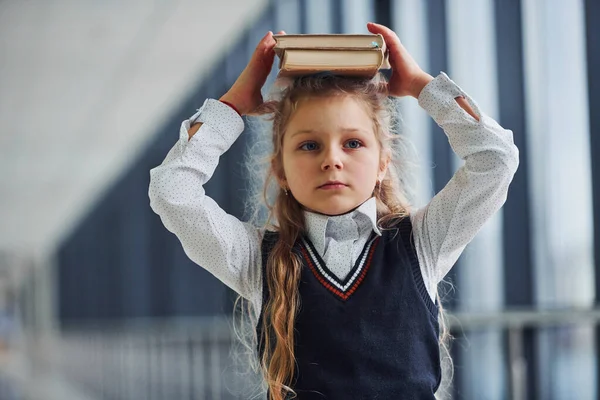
(332, 160)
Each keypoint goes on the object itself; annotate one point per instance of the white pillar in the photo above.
(319, 16)
(560, 189)
(356, 14)
(287, 16)
(472, 64)
(409, 18)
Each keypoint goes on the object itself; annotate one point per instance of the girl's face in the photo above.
(331, 157)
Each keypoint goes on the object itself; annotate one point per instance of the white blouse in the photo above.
(230, 248)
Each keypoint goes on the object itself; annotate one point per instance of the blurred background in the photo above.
(98, 299)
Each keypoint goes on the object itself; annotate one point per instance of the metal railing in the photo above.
(515, 323)
(187, 359)
(190, 359)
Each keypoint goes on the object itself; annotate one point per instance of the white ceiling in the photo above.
(82, 86)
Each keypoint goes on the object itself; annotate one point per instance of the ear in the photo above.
(383, 165)
(278, 173)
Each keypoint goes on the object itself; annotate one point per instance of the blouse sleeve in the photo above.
(219, 242)
(478, 189)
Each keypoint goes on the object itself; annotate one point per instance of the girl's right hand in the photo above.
(245, 93)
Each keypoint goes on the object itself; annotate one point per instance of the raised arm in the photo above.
(215, 240)
(478, 189)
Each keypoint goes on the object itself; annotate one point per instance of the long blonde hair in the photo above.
(285, 215)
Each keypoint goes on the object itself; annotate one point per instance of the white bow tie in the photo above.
(342, 232)
(342, 228)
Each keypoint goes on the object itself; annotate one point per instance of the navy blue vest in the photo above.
(373, 335)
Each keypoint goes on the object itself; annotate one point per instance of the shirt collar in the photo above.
(365, 218)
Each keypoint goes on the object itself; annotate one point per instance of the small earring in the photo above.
(285, 190)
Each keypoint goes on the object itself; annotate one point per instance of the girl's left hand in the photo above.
(408, 79)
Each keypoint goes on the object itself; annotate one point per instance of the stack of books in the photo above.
(340, 54)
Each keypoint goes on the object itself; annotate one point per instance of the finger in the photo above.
(264, 48)
(389, 36)
(270, 41)
(262, 59)
(267, 60)
(264, 42)
(281, 33)
(268, 52)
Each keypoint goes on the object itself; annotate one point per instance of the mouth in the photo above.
(333, 185)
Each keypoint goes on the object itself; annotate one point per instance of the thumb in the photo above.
(262, 58)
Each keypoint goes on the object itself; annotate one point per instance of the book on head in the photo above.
(341, 54)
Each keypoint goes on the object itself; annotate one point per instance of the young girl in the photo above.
(343, 281)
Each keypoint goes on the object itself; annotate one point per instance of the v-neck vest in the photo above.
(373, 335)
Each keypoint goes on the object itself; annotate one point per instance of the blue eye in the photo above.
(353, 144)
(309, 146)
